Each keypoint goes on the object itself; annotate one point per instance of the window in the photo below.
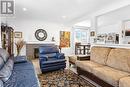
(82, 35)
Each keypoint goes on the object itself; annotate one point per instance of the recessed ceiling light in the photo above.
(24, 9)
(64, 17)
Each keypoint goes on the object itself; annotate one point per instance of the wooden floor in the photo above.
(36, 66)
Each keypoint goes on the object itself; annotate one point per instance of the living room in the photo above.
(63, 43)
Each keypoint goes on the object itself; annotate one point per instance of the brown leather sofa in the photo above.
(108, 67)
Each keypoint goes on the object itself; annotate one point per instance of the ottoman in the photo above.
(74, 58)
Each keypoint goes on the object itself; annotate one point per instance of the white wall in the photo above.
(112, 22)
(28, 28)
(109, 29)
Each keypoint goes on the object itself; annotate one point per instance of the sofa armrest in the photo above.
(60, 56)
(81, 58)
(43, 57)
(20, 59)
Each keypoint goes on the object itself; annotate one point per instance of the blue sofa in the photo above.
(16, 72)
(50, 58)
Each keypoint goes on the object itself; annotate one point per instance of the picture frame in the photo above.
(92, 33)
(64, 39)
(18, 34)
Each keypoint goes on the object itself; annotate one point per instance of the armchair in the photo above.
(50, 59)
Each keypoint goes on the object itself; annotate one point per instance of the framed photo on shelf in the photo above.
(18, 34)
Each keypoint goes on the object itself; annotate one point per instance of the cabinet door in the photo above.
(7, 38)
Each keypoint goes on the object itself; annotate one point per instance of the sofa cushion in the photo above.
(109, 75)
(4, 54)
(5, 72)
(119, 58)
(53, 62)
(87, 65)
(1, 83)
(1, 62)
(124, 82)
(21, 66)
(23, 75)
(20, 59)
(51, 55)
(99, 54)
(10, 64)
(22, 78)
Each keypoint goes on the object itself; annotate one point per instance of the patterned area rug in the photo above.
(62, 78)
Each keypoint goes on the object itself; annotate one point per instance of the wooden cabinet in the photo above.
(7, 38)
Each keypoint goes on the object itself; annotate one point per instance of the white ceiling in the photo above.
(58, 11)
(114, 17)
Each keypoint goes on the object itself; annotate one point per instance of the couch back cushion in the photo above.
(6, 70)
(99, 54)
(51, 55)
(1, 62)
(119, 58)
(4, 54)
(10, 63)
(1, 83)
(48, 49)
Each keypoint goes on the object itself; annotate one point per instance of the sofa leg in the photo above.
(44, 72)
(78, 72)
(69, 65)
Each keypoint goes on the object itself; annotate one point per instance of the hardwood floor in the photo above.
(36, 66)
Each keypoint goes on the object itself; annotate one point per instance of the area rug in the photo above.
(62, 78)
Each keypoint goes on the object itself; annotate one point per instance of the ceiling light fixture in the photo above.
(24, 9)
(64, 17)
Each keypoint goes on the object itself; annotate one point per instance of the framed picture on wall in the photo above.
(92, 33)
(18, 34)
(64, 39)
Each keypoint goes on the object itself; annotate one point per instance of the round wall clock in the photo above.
(41, 34)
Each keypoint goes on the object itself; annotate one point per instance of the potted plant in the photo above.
(19, 45)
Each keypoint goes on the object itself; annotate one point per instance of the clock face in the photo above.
(41, 34)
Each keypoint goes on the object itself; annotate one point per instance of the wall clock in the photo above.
(41, 34)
